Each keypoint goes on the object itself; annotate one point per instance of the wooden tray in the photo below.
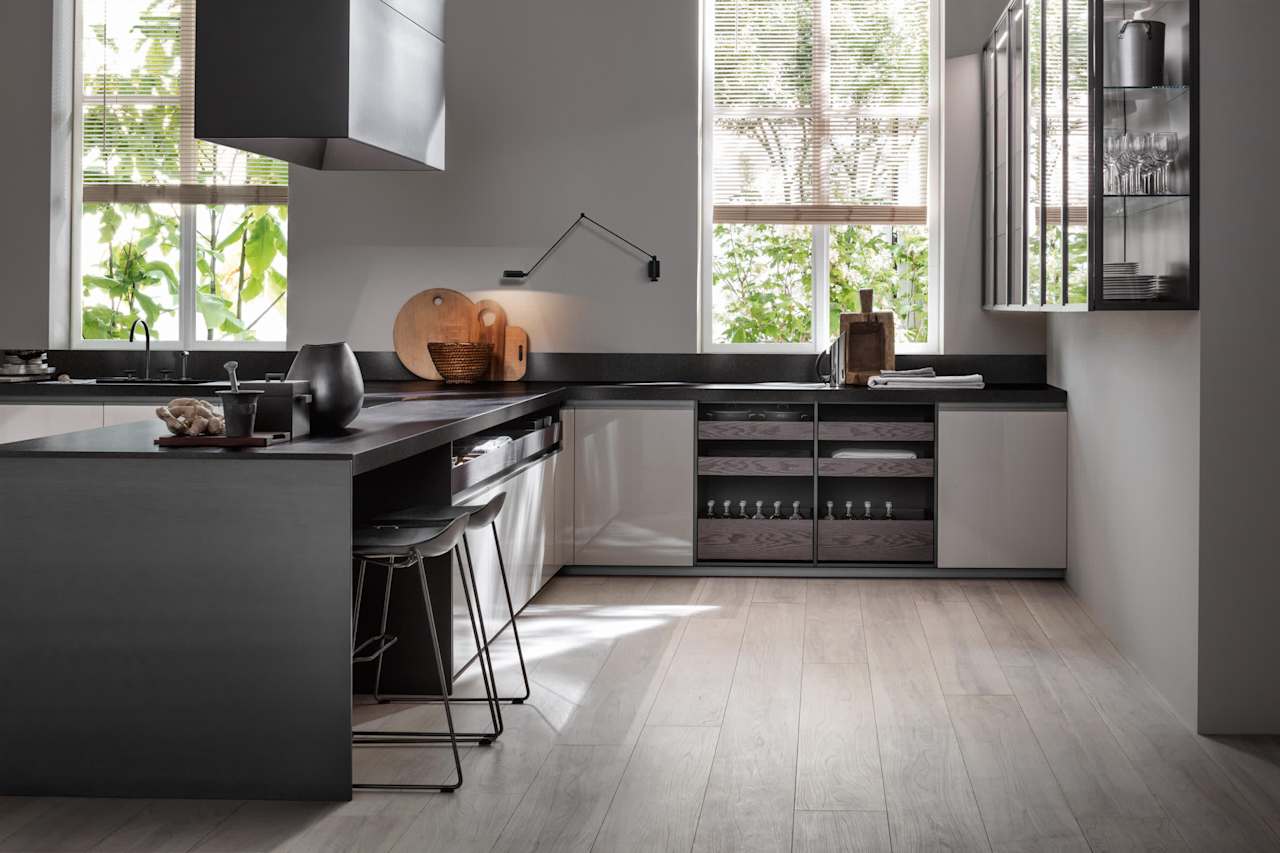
(258, 439)
(875, 431)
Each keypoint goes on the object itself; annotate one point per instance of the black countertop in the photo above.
(402, 419)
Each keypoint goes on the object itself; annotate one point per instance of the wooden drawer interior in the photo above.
(755, 430)
(875, 467)
(898, 431)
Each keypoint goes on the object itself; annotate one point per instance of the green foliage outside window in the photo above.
(763, 280)
(133, 136)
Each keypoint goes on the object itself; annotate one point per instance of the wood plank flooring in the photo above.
(738, 714)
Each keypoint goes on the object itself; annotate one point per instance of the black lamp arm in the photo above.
(655, 265)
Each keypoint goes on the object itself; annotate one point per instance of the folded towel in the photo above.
(919, 371)
(859, 453)
(883, 382)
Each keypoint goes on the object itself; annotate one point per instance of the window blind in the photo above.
(821, 111)
(138, 116)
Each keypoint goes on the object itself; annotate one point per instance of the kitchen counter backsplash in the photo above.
(556, 367)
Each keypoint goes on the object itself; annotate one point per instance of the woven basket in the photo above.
(460, 363)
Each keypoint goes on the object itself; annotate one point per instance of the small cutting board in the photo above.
(869, 342)
(441, 314)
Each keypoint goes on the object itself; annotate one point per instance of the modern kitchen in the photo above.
(696, 425)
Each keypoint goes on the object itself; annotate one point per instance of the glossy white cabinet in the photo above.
(1002, 488)
(20, 422)
(114, 415)
(634, 486)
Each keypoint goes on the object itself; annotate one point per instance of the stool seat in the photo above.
(391, 540)
(427, 514)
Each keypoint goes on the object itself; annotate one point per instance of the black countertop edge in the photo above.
(559, 367)
(1027, 393)
(406, 419)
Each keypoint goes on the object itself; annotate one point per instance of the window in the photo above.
(819, 170)
(189, 236)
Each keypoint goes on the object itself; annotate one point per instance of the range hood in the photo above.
(329, 84)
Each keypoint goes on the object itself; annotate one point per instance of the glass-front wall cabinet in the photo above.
(1089, 139)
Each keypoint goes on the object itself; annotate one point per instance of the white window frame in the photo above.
(820, 335)
(187, 275)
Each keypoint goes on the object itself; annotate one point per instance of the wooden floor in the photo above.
(729, 714)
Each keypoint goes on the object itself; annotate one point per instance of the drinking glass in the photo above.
(1112, 156)
(1165, 150)
(1138, 151)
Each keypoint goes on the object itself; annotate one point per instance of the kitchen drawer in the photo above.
(741, 539)
(875, 541)
(875, 467)
(755, 466)
(875, 431)
(756, 430)
(521, 449)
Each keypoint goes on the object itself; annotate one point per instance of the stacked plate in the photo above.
(1134, 288)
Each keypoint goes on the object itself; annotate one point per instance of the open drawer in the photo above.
(526, 445)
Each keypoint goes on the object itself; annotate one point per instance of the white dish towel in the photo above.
(923, 378)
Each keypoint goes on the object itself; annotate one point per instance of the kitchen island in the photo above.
(177, 622)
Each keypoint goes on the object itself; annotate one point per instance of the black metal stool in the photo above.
(396, 548)
(481, 517)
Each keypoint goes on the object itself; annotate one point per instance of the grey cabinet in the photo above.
(1002, 489)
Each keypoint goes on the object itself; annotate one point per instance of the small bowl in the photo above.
(460, 363)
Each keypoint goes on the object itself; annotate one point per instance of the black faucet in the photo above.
(146, 363)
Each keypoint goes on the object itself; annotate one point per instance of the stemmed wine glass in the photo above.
(1138, 153)
(1112, 156)
(1165, 152)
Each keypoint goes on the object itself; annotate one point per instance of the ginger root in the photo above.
(187, 416)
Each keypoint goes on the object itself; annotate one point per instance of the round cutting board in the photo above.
(433, 315)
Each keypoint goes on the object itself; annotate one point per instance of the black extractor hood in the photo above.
(329, 84)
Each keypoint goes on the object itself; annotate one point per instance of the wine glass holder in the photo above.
(837, 485)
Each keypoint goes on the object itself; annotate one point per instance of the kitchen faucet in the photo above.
(146, 362)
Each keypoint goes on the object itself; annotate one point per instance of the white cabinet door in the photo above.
(633, 486)
(1002, 489)
(22, 422)
(116, 415)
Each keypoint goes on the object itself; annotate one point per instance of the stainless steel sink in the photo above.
(133, 380)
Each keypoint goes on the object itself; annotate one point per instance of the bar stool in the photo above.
(396, 548)
(481, 517)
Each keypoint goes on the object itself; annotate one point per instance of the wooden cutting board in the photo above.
(441, 314)
(492, 320)
(869, 342)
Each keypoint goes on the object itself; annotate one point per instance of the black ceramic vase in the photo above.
(337, 387)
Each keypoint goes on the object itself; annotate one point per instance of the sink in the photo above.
(133, 380)
(781, 386)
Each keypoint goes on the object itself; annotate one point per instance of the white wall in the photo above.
(554, 107)
(1240, 470)
(34, 208)
(1133, 506)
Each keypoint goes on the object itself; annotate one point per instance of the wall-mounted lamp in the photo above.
(518, 276)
